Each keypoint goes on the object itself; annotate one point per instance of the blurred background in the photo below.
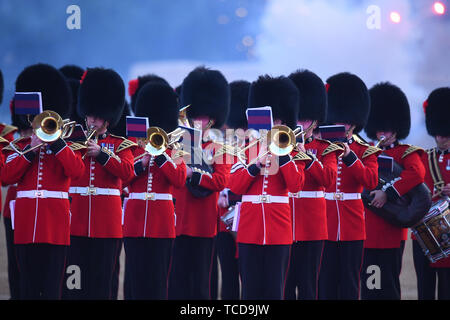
(404, 42)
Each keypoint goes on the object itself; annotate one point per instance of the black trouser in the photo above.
(148, 267)
(96, 260)
(340, 270)
(263, 270)
(304, 269)
(427, 276)
(41, 267)
(13, 268)
(214, 282)
(226, 251)
(380, 274)
(190, 272)
(116, 274)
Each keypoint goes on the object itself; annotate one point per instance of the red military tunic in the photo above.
(443, 160)
(6, 136)
(267, 220)
(380, 234)
(96, 204)
(12, 189)
(197, 217)
(42, 206)
(309, 215)
(145, 217)
(345, 218)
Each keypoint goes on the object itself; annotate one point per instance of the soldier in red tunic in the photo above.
(96, 229)
(309, 216)
(265, 226)
(7, 132)
(149, 219)
(207, 93)
(389, 118)
(225, 241)
(348, 104)
(41, 211)
(436, 118)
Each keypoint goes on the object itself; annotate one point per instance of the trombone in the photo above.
(48, 126)
(282, 142)
(281, 138)
(158, 141)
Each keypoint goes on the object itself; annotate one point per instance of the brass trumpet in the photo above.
(158, 141)
(48, 126)
(380, 141)
(91, 135)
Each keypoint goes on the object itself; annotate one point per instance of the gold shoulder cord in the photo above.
(435, 172)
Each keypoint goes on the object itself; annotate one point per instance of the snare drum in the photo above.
(433, 232)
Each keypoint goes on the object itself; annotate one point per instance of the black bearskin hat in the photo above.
(72, 71)
(280, 93)
(136, 84)
(313, 96)
(437, 112)
(348, 100)
(74, 74)
(158, 102)
(121, 128)
(389, 111)
(54, 88)
(238, 104)
(208, 94)
(101, 94)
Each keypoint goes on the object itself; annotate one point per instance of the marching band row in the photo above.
(311, 216)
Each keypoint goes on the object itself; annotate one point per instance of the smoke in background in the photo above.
(332, 36)
(242, 38)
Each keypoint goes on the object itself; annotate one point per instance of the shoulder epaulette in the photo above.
(77, 146)
(8, 129)
(331, 148)
(370, 150)
(410, 150)
(3, 140)
(301, 156)
(125, 144)
(359, 140)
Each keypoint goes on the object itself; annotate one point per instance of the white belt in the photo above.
(150, 196)
(307, 194)
(342, 196)
(265, 198)
(85, 191)
(42, 194)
